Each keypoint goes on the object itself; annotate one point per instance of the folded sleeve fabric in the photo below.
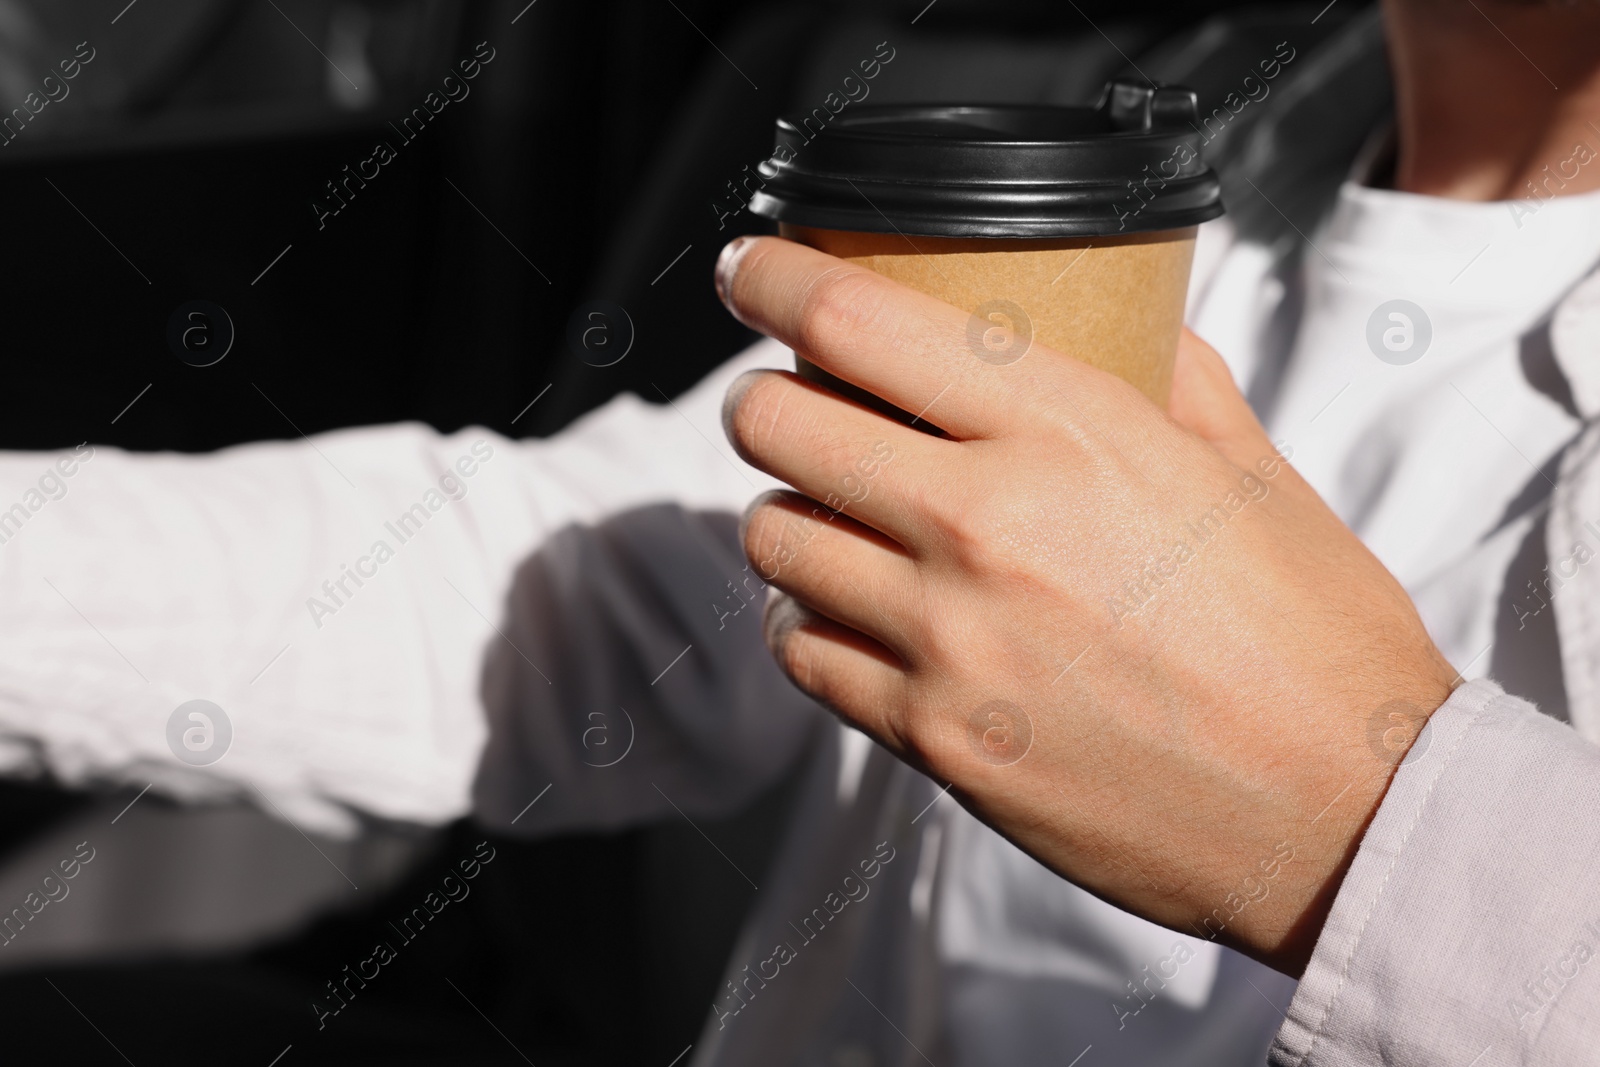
(399, 623)
(1467, 933)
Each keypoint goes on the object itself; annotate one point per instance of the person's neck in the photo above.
(1475, 119)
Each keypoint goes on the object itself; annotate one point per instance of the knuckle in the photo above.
(931, 739)
(970, 531)
(926, 747)
(938, 641)
(994, 539)
(928, 505)
(837, 304)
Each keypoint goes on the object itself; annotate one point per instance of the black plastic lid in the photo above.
(1131, 164)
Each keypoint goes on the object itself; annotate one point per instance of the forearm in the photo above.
(338, 598)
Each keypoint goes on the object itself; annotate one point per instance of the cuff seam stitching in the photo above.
(1372, 906)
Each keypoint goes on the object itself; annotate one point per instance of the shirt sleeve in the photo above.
(1467, 932)
(394, 622)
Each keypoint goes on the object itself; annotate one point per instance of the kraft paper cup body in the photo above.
(1114, 302)
(1064, 230)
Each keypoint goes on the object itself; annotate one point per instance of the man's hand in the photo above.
(1135, 642)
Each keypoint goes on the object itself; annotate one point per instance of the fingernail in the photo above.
(728, 265)
(731, 399)
(782, 615)
(767, 497)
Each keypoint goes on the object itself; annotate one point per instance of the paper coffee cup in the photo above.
(1068, 228)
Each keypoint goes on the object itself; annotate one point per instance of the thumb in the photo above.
(1206, 402)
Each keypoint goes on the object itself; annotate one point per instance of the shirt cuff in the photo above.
(1467, 931)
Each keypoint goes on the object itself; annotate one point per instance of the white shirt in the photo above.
(1440, 463)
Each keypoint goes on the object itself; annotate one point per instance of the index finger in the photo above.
(904, 346)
